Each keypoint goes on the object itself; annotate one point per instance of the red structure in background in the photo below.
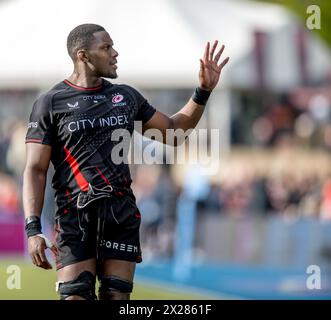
(11, 237)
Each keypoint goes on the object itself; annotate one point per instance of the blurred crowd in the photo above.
(300, 118)
(12, 157)
(251, 183)
(284, 194)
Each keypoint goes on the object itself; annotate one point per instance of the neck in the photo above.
(83, 79)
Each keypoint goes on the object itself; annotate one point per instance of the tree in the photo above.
(300, 7)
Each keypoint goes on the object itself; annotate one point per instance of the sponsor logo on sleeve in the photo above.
(32, 125)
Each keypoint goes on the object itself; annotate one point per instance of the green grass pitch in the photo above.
(39, 284)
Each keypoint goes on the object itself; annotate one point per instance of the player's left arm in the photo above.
(189, 115)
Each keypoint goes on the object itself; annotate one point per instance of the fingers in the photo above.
(219, 53)
(37, 247)
(39, 259)
(202, 65)
(34, 261)
(225, 61)
(44, 262)
(206, 54)
(211, 55)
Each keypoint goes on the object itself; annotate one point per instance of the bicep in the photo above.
(38, 156)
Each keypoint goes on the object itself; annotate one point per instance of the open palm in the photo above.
(210, 70)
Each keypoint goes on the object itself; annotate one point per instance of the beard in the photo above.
(106, 73)
(113, 75)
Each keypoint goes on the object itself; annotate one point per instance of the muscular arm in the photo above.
(189, 115)
(185, 119)
(34, 179)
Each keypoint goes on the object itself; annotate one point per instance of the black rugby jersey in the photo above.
(78, 123)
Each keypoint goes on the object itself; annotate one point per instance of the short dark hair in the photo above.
(81, 37)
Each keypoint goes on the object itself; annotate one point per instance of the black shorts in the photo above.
(108, 228)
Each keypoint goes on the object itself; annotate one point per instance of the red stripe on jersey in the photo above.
(102, 176)
(81, 88)
(68, 195)
(82, 183)
(33, 140)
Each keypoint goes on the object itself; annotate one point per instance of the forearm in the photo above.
(34, 181)
(188, 117)
(177, 128)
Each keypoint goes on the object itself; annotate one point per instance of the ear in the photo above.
(82, 55)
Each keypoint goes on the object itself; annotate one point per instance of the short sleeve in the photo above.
(145, 110)
(41, 126)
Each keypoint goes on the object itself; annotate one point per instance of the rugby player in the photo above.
(97, 221)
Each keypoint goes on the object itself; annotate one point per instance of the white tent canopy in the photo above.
(155, 48)
(159, 41)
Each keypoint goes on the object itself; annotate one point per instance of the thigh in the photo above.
(72, 271)
(117, 268)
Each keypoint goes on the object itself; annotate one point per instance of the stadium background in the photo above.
(250, 230)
